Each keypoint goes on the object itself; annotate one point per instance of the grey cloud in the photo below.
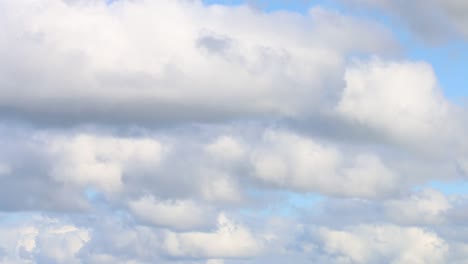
(434, 21)
(27, 186)
(213, 43)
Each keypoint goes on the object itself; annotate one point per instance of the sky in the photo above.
(233, 132)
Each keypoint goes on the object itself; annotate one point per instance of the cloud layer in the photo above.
(186, 132)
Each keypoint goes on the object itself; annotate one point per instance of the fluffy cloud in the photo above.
(179, 132)
(218, 168)
(229, 241)
(45, 240)
(214, 170)
(26, 183)
(400, 100)
(429, 206)
(226, 148)
(178, 214)
(299, 163)
(121, 62)
(393, 244)
(101, 161)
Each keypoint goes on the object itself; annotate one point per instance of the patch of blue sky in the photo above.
(224, 2)
(92, 194)
(16, 218)
(450, 188)
(298, 6)
(303, 201)
(298, 202)
(449, 62)
(288, 205)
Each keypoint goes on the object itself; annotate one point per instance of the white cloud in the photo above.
(146, 123)
(123, 62)
(230, 240)
(384, 243)
(61, 244)
(215, 261)
(101, 160)
(220, 187)
(44, 240)
(428, 206)
(226, 148)
(295, 162)
(178, 214)
(400, 100)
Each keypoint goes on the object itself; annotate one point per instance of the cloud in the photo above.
(120, 62)
(428, 206)
(44, 240)
(69, 170)
(226, 148)
(229, 241)
(26, 184)
(179, 132)
(179, 214)
(368, 244)
(108, 238)
(295, 162)
(399, 100)
(101, 161)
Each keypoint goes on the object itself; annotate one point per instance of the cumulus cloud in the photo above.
(185, 132)
(216, 171)
(120, 62)
(44, 240)
(178, 214)
(393, 244)
(229, 241)
(173, 188)
(226, 148)
(299, 163)
(400, 100)
(429, 206)
(102, 161)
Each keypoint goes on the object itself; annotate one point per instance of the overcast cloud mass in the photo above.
(187, 131)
